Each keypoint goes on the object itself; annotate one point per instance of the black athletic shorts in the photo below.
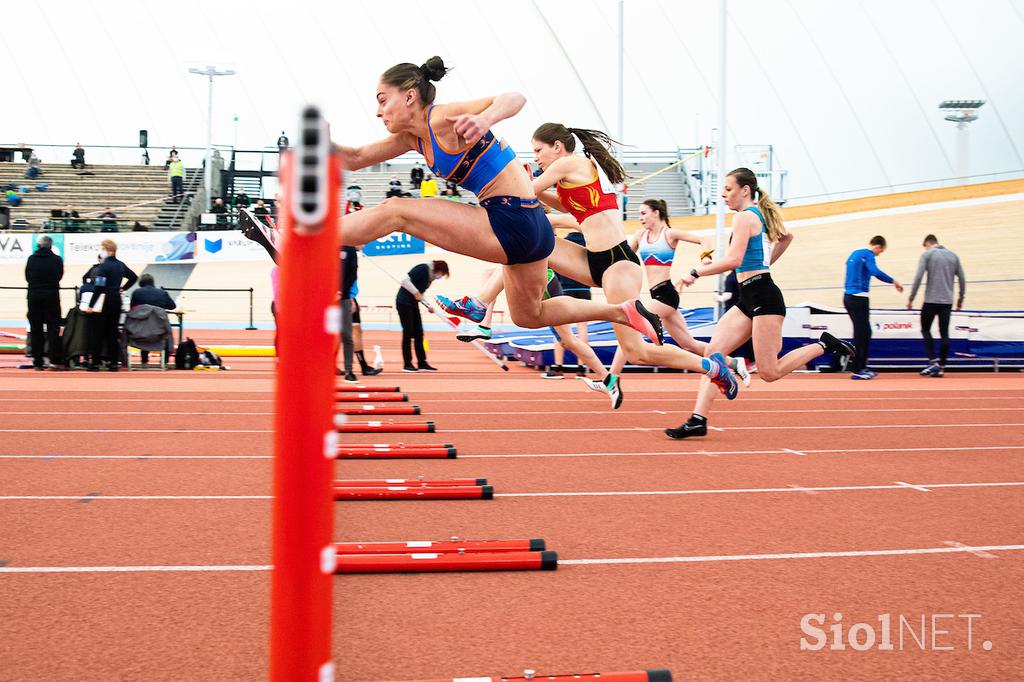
(665, 292)
(355, 312)
(582, 294)
(760, 296)
(599, 261)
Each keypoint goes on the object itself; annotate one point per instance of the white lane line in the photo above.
(789, 489)
(128, 569)
(563, 562)
(144, 457)
(731, 428)
(919, 488)
(795, 452)
(898, 485)
(99, 497)
(667, 453)
(506, 413)
(802, 489)
(789, 555)
(568, 397)
(973, 550)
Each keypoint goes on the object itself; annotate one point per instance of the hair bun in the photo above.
(434, 69)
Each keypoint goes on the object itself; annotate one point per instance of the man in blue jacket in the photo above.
(860, 268)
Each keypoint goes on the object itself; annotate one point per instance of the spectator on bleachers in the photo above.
(428, 188)
(416, 175)
(353, 198)
(395, 188)
(148, 293)
(261, 208)
(71, 222)
(43, 272)
(109, 219)
(221, 211)
(13, 198)
(176, 173)
(242, 200)
(282, 143)
(33, 171)
(78, 157)
(450, 189)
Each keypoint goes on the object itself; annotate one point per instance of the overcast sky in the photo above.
(846, 92)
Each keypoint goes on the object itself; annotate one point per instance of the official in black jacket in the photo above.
(110, 278)
(43, 272)
(406, 303)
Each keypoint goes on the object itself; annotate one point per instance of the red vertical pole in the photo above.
(305, 441)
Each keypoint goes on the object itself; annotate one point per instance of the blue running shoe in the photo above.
(863, 375)
(725, 381)
(464, 307)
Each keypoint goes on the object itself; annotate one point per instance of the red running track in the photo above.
(819, 496)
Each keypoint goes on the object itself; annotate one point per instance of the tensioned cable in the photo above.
(782, 105)
(842, 91)
(568, 60)
(909, 87)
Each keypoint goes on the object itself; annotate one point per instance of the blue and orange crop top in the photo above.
(758, 255)
(472, 167)
(658, 252)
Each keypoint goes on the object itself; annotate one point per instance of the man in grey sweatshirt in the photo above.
(942, 265)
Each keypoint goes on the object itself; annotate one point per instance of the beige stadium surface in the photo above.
(972, 220)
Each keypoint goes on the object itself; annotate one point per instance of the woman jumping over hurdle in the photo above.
(655, 244)
(584, 188)
(758, 240)
(508, 227)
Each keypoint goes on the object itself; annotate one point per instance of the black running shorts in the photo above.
(760, 296)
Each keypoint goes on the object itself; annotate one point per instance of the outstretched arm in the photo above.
(472, 120)
(391, 146)
(781, 246)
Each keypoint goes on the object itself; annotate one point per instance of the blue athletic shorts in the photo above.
(521, 227)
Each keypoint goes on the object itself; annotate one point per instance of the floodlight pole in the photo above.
(962, 112)
(720, 151)
(209, 72)
(622, 93)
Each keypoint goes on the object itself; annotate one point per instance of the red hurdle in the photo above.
(377, 398)
(388, 426)
(376, 409)
(304, 441)
(404, 492)
(454, 546)
(427, 562)
(641, 676)
(384, 482)
(349, 451)
(358, 388)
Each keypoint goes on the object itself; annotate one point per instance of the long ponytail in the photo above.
(596, 146)
(769, 209)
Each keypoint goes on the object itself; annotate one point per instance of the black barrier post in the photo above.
(251, 326)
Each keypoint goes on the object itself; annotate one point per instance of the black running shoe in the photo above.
(410, 368)
(843, 350)
(424, 367)
(688, 429)
(371, 371)
(255, 229)
(351, 378)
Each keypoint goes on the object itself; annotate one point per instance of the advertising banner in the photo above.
(394, 244)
